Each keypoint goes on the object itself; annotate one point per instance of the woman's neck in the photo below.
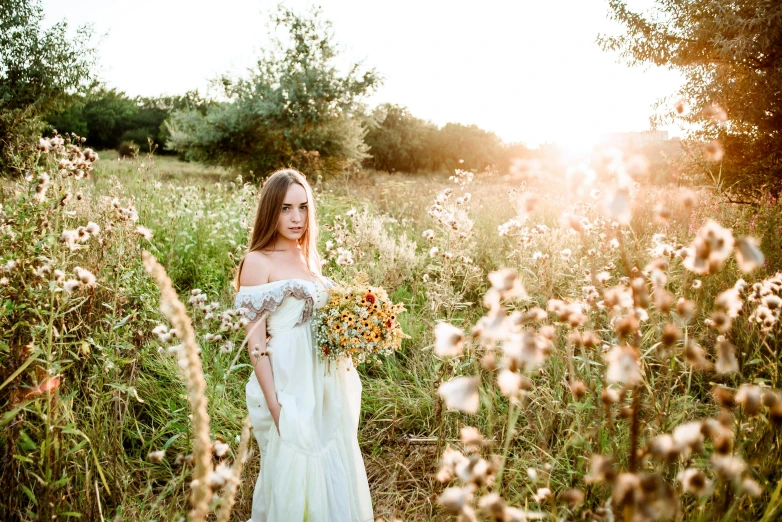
(286, 245)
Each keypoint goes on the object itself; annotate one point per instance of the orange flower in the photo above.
(370, 297)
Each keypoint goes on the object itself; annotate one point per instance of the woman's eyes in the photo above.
(288, 208)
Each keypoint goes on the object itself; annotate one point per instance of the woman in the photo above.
(305, 418)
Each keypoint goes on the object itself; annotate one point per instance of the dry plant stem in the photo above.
(731, 511)
(592, 263)
(513, 415)
(668, 378)
(97, 496)
(49, 397)
(175, 311)
(438, 413)
(570, 368)
(688, 369)
(634, 429)
(480, 372)
(623, 253)
(740, 355)
(224, 511)
(778, 351)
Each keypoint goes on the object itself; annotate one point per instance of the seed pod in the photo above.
(685, 308)
(670, 335)
(578, 389)
(724, 397)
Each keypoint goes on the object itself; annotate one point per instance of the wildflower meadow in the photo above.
(581, 324)
(588, 347)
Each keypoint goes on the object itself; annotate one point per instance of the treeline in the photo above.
(398, 141)
(108, 118)
(295, 108)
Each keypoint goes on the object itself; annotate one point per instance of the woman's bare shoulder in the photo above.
(256, 269)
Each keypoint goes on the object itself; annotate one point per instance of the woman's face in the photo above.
(293, 214)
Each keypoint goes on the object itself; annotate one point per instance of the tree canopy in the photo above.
(39, 69)
(730, 53)
(295, 99)
(398, 141)
(108, 117)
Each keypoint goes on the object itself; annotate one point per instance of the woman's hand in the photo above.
(275, 411)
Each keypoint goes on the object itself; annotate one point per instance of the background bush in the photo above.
(107, 117)
(38, 70)
(728, 54)
(295, 99)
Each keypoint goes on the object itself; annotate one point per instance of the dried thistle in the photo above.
(229, 497)
(190, 360)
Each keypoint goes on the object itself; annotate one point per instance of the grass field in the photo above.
(618, 373)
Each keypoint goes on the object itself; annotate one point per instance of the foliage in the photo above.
(101, 116)
(108, 117)
(401, 142)
(111, 349)
(474, 147)
(294, 99)
(39, 68)
(398, 141)
(728, 53)
(77, 361)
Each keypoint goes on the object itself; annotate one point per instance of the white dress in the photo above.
(312, 470)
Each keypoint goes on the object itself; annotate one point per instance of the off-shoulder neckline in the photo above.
(281, 281)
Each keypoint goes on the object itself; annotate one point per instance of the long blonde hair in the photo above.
(264, 232)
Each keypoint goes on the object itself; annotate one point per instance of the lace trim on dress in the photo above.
(261, 303)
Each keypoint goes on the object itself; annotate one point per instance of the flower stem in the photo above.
(513, 415)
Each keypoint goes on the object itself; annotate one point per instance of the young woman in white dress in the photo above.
(304, 413)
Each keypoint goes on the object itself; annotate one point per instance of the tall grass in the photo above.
(582, 379)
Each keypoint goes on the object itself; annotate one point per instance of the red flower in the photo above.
(370, 297)
(326, 351)
(388, 323)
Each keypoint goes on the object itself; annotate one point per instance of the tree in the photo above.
(107, 117)
(400, 141)
(38, 70)
(467, 147)
(730, 53)
(294, 100)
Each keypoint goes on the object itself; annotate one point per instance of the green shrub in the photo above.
(294, 100)
(39, 68)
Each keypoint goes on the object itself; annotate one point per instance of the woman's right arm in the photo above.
(255, 271)
(256, 345)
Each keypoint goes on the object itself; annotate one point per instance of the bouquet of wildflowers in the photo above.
(359, 321)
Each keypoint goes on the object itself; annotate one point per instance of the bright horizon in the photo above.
(530, 72)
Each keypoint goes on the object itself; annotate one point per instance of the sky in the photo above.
(529, 70)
